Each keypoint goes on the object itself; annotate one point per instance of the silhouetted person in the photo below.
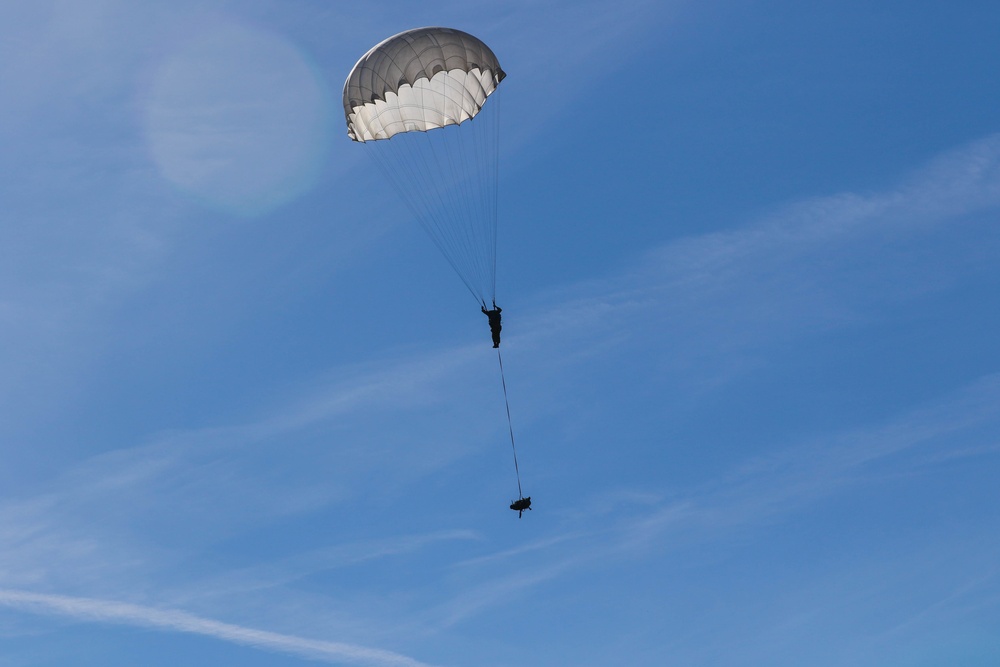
(494, 317)
(521, 505)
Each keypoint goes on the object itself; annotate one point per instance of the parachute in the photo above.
(418, 102)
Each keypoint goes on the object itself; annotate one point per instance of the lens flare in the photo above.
(238, 119)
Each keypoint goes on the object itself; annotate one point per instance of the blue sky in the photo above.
(748, 265)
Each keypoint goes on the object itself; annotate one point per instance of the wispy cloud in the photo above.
(765, 490)
(295, 568)
(494, 591)
(792, 479)
(537, 545)
(706, 296)
(106, 611)
(813, 264)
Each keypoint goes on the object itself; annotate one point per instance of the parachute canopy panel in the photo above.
(419, 80)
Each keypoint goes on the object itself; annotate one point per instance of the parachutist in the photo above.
(521, 505)
(494, 317)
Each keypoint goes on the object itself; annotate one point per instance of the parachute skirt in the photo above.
(447, 98)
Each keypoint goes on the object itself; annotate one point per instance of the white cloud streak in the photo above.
(107, 611)
(698, 277)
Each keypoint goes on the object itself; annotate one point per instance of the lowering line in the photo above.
(510, 425)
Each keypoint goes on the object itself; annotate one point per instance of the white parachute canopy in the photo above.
(418, 102)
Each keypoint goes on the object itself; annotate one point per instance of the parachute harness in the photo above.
(510, 426)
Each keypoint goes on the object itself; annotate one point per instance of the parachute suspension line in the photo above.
(487, 152)
(447, 177)
(455, 161)
(420, 202)
(470, 159)
(510, 426)
(496, 186)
